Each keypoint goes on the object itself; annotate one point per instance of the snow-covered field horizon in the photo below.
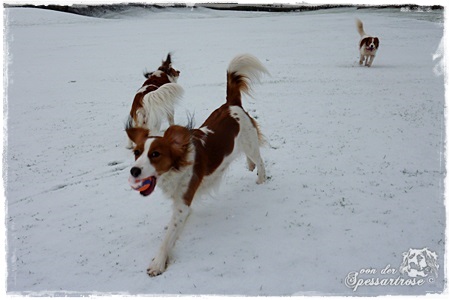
(355, 156)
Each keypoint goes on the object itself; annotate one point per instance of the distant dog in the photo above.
(156, 99)
(368, 45)
(185, 161)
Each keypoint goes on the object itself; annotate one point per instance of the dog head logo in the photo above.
(419, 263)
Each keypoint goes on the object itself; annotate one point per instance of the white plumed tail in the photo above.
(158, 105)
(242, 71)
(249, 68)
(359, 26)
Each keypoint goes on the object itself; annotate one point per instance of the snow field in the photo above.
(355, 157)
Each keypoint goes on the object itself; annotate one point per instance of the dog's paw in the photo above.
(157, 267)
(261, 179)
(261, 175)
(154, 272)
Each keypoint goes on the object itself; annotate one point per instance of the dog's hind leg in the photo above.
(254, 159)
(249, 141)
(250, 144)
(251, 165)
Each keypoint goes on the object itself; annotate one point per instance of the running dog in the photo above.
(186, 161)
(156, 99)
(368, 45)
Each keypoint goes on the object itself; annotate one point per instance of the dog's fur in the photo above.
(368, 45)
(185, 161)
(156, 99)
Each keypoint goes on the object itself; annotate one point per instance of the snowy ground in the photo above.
(355, 162)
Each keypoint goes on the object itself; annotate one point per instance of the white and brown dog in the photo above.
(186, 161)
(156, 99)
(368, 45)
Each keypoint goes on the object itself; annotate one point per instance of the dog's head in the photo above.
(419, 262)
(165, 68)
(370, 43)
(157, 155)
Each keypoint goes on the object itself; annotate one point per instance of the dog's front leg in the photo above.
(370, 60)
(179, 216)
(361, 59)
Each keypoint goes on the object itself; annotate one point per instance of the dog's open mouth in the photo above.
(145, 186)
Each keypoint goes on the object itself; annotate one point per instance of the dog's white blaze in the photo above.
(372, 44)
(143, 162)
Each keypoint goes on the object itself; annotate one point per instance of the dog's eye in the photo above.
(155, 154)
(137, 152)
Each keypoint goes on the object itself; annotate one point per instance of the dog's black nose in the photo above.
(135, 171)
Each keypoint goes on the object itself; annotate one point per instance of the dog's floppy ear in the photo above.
(377, 42)
(179, 138)
(138, 135)
(363, 42)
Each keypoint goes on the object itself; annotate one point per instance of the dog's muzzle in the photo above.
(145, 186)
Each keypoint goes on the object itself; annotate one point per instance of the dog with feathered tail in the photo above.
(185, 162)
(368, 45)
(156, 99)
